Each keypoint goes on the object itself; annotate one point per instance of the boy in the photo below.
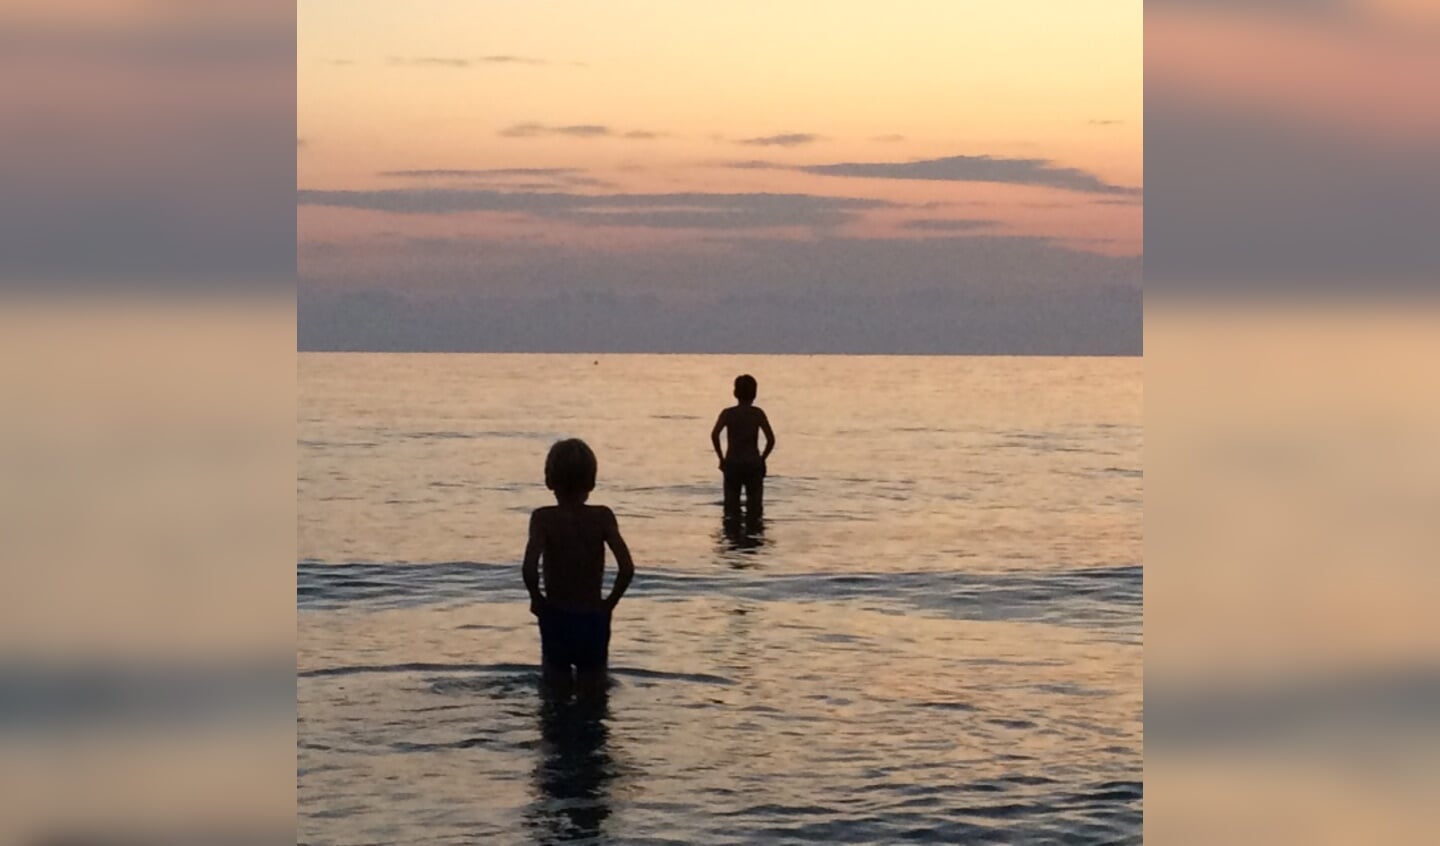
(743, 463)
(570, 538)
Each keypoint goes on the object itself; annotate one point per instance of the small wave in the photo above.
(413, 667)
(699, 678)
(1011, 724)
(439, 436)
(524, 670)
(1095, 597)
(948, 706)
(444, 435)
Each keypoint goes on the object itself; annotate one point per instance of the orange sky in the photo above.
(436, 84)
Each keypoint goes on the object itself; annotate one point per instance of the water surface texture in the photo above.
(935, 635)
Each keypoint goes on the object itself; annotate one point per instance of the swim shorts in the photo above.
(574, 638)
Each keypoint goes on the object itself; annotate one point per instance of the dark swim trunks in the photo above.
(745, 469)
(574, 638)
(747, 474)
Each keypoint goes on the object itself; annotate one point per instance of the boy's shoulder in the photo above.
(548, 518)
(546, 512)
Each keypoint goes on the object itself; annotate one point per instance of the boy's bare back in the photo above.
(743, 424)
(571, 543)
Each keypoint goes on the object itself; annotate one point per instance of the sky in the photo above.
(798, 177)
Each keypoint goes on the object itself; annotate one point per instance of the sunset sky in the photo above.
(799, 176)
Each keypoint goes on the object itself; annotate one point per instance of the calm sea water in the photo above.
(935, 636)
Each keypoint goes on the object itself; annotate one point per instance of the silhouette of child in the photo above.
(569, 539)
(742, 462)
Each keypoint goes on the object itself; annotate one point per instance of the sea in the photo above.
(934, 635)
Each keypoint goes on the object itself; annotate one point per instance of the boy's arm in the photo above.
(626, 567)
(531, 568)
(715, 438)
(769, 436)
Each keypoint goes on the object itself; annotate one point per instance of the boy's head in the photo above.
(745, 388)
(570, 469)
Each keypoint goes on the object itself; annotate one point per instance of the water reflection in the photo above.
(740, 540)
(574, 768)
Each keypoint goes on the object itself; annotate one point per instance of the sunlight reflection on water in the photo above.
(934, 636)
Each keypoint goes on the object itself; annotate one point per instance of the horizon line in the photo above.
(346, 351)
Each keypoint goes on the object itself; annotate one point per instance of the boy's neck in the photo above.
(571, 499)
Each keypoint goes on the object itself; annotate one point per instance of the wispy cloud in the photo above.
(547, 178)
(678, 210)
(888, 139)
(579, 130)
(1036, 172)
(755, 164)
(949, 204)
(511, 60)
(740, 217)
(464, 62)
(535, 130)
(442, 173)
(948, 225)
(786, 139)
(1106, 122)
(1040, 172)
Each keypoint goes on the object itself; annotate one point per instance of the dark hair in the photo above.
(745, 388)
(570, 468)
